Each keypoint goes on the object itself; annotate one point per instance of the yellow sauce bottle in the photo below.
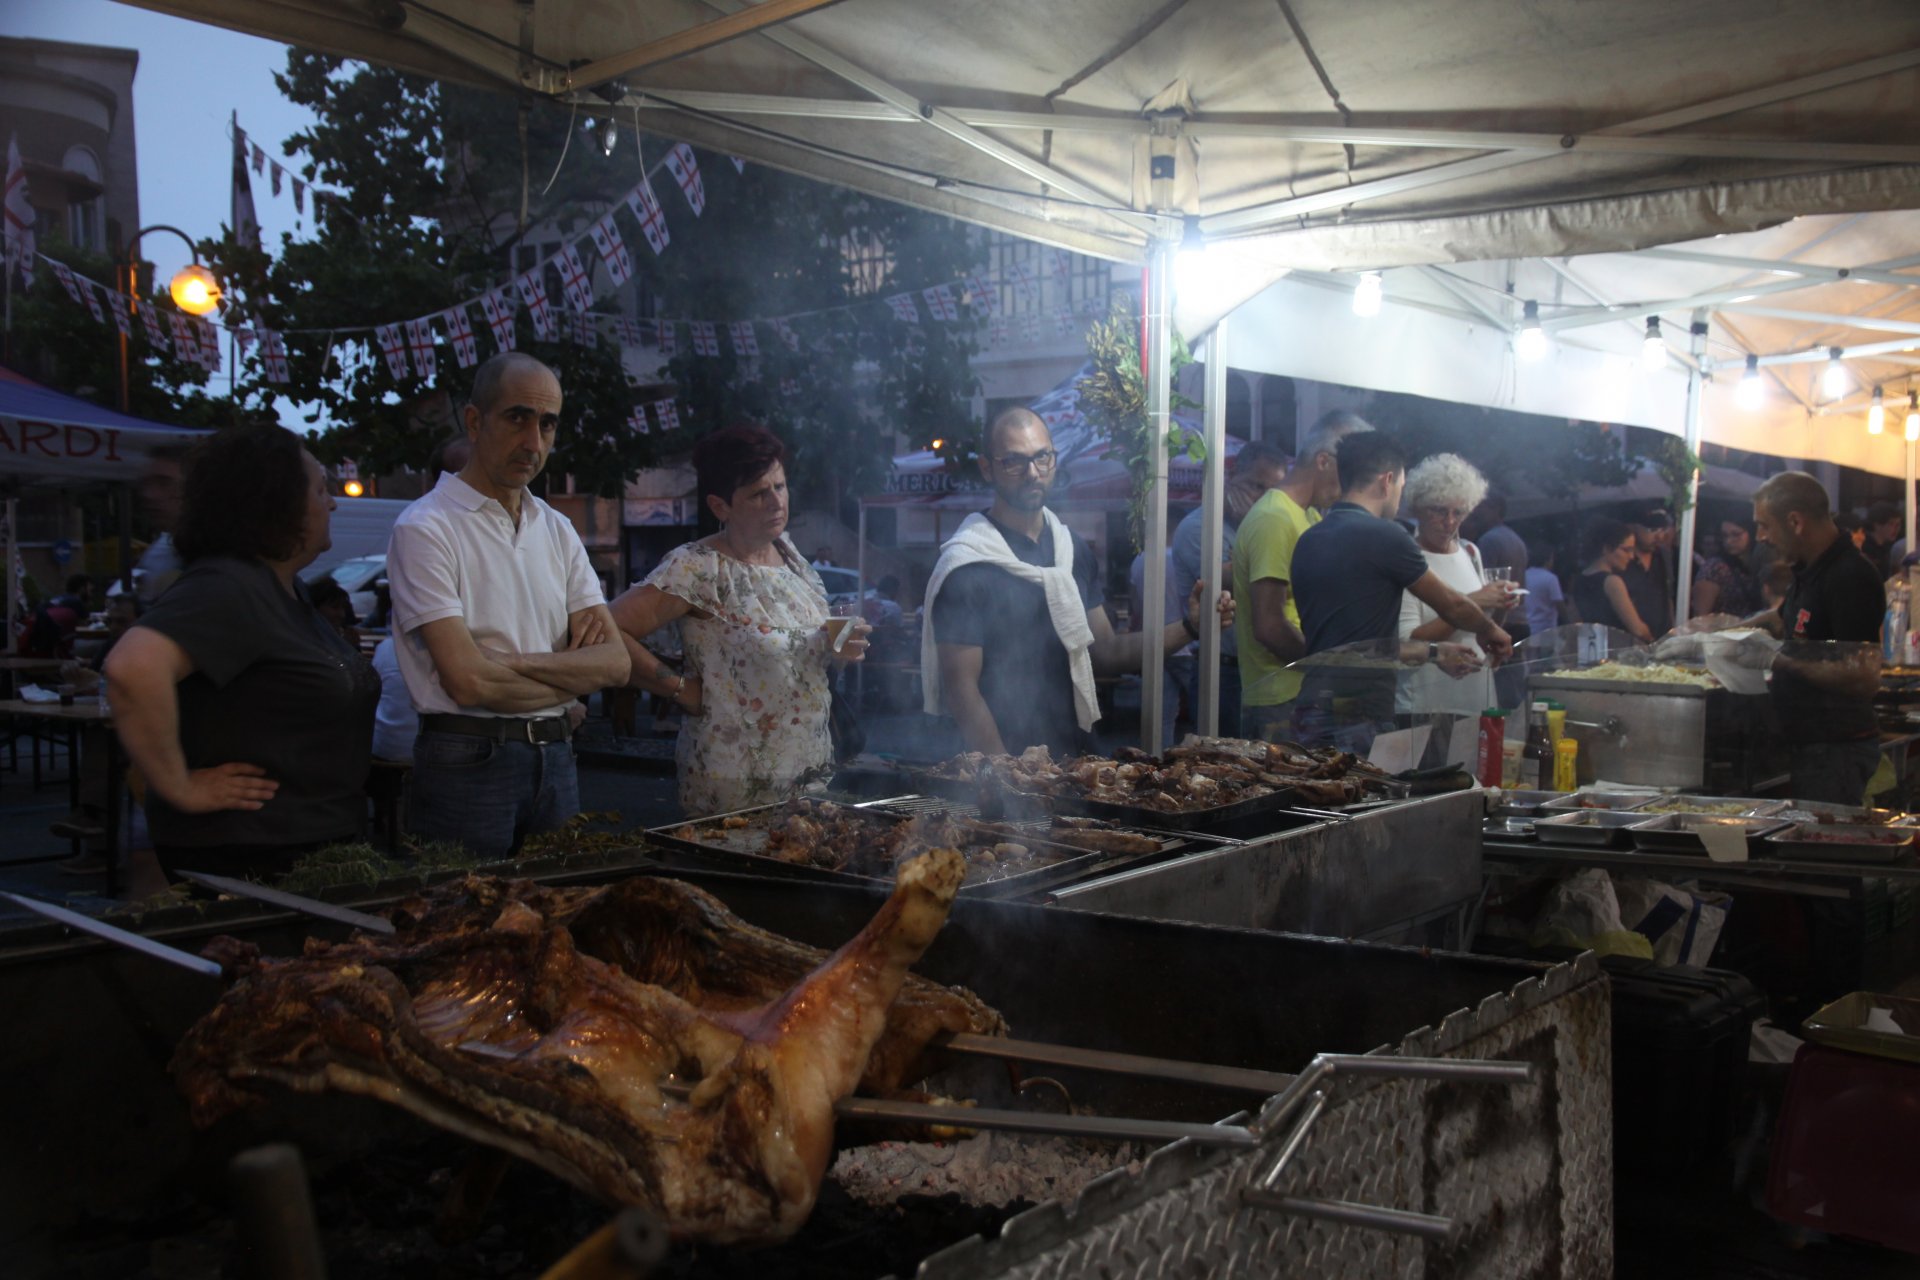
(1566, 760)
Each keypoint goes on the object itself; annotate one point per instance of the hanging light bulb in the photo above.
(1750, 394)
(1653, 347)
(1367, 294)
(1913, 415)
(1877, 416)
(1833, 380)
(609, 136)
(1530, 343)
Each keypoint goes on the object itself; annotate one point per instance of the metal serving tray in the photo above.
(1596, 801)
(1843, 1024)
(1605, 828)
(1523, 803)
(1748, 806)
(705, 844)
(1680, 832)
(1841, 842)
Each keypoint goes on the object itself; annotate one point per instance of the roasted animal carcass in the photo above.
(637, 1040)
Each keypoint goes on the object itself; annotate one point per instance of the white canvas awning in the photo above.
(1308, 133)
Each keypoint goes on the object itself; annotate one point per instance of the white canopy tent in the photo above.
(1297, 134)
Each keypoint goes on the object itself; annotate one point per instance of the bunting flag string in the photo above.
(646, 210)
(706, 342)
(156, 336)
(209, 344)
(466, 351)
(941, 304)
(186, 344)
(580, 329)
(574, 278)
(393, 345)
(786, 334)
(686, 171)
(637, 420)
(612, 250)
(669, 415)
(273, 356)
(420, 347)
(499, 312)
(669, 341)
(626, 333)
(533, 292)
(903, 308)
(744, 343)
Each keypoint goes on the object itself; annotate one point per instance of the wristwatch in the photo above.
(1433, 651)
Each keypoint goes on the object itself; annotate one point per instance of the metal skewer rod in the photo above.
(291, 901)
(118, 936)
(1265, 1083)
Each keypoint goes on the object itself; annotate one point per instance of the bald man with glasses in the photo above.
(1016, 624)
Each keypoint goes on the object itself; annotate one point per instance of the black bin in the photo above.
(1680, 1039)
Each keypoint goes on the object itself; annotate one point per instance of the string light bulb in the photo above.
(1367, 295)
(1750, 394)
(195, 290)
(1877, 415)
(609, 136)
(1530, 343)
(1833, 380)
(1913, 415)
(1653, 347)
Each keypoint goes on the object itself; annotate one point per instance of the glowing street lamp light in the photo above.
(195, 290)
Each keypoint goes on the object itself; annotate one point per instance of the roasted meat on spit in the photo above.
(637, 1040)
(1201, 773)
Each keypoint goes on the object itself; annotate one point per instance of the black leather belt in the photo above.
(529, 729)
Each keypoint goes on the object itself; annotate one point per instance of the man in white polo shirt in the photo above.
(501, 623)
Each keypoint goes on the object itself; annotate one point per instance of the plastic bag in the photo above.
(1681, 925)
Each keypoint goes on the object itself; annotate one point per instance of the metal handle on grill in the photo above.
(1309, 1095)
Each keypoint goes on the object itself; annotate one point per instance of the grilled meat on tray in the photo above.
(637, 1040)
(836, 837)
(1201, 773)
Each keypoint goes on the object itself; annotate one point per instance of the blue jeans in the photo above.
(486, 795)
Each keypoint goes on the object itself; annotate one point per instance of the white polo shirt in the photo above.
(455, 553)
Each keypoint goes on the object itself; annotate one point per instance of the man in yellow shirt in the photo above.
(1267, 630)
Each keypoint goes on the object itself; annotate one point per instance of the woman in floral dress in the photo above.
(753, 617)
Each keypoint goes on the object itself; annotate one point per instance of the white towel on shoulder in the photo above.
(977, 541)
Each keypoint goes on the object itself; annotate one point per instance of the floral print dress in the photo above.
(761, 656)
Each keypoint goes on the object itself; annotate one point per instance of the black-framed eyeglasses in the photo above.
(1014, 464)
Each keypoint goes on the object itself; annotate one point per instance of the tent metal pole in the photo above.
(860, 602)
(1689, 519)
(1909, 503)
(13, 570)
(1157, 367)
(1213, 502)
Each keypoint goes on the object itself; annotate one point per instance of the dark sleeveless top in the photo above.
(1590, 598)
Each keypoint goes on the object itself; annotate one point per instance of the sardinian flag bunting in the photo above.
(669, 339)
(259, 157)
(18, 216)
(997, 331)
(273, 354)
(739, 165)
(420, 346)
(1024, 283)
(786, 334)
(627, 333)
(1062, 269)
(1030, 326)
(789, 388)
(982, 297)
(903, 308)
(466, 351)
(533, 292)
(575, 278)
(243, 340)
(686, 172)
(299, 196)
(393, 345)
(580, 329)
(940, 303)
(706, 341)
(186, 343)
(612, 249)
(637, 420)
(64, 275)
(117, 303)
(744, 343)
(278, 176)
(498, 307)
(156, 336)
(88, 296)
(209, 344)
(669, 415)
(646, 210)
(1064, 321)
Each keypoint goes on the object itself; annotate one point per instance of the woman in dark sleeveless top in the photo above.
(1600, 593)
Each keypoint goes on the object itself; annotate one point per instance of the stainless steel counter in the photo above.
(1407, 872)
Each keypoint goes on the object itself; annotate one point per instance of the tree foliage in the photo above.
(1114, 398)
(440, 186)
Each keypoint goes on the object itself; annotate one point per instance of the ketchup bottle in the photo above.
(1493, 737)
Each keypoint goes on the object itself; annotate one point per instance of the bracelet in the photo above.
(679, 687)
(1433, 651)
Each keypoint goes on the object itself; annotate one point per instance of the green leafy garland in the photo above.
(1114, 399)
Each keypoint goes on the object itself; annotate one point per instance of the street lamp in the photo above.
(195, 290)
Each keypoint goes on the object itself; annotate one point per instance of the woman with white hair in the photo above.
(1440, 493)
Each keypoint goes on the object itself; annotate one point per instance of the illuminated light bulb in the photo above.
(1653, 347)
(195, 290)
(1750, 394)
(609, 137)
(353, 489)
(1530, 343)
(1877, 416)
(1833, 380)
(1367, 294)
